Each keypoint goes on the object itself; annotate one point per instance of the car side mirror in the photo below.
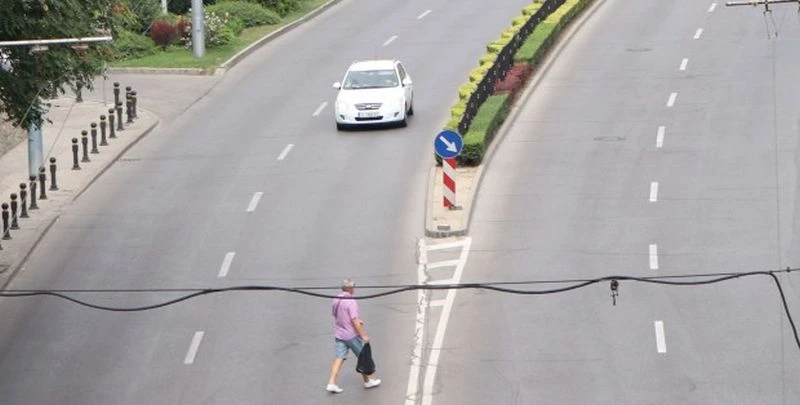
(407, 82)
(337, 85)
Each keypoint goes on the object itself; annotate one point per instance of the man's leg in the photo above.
(337, 365)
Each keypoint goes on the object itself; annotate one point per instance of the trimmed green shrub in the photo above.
(488, 58)
(489, 117)
(477, 74)
(129, 45)
(536, 44)
(282, 7)
(530, 9)
(250, 14)
(466, 90)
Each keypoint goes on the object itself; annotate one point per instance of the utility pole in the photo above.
(164, 9)
(198, 29)
(35, 150)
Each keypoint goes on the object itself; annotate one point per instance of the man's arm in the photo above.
(359, 325)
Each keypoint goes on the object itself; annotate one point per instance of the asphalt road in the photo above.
(583, 186)
(167, 215)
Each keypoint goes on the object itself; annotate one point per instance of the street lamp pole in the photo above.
(198, 29)
(35, 149)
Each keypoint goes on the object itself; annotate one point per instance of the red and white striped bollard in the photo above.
(449, 179)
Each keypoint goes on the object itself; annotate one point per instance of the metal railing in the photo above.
(504, 61)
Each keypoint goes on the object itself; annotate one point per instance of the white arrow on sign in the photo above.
(451, 146)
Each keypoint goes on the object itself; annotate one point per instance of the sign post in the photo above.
(448, 145)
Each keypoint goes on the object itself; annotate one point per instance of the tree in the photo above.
(28, 77)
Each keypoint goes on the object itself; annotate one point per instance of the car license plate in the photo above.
(368, 114)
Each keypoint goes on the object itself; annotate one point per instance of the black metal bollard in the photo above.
(53, 185)
(33, 205)
(23, 200)
(75, 165)
(94, 137)
(135, 100)
(85, 143)
(129, 108)
(42, 183)
(116, 93)
(119, 117)
(14, 223)
(6, 231)
(78, 92)
(103, 141)
(111, 131)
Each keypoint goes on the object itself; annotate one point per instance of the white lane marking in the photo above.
(390, 40)
(190, 355)
(254, 201)
(443, 263)
(226, 264)
(319, 109)
(672, 98)
(653, 257)
(441, 328)
(448, 245)
(438, 303)
(421, 16)
(422, 250)
(653, 191)
(661, 340)
(698, 33)
(660, 136)
(684, 63)
(286, 151)
(419, 333)
(712, 7)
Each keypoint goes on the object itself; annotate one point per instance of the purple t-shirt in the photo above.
(344, 311)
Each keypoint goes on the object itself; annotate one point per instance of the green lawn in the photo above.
(181, 57)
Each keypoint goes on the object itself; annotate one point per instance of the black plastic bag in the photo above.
(365, 363)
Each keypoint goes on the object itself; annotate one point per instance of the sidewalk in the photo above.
(68, 120)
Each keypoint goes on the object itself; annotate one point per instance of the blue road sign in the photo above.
(448, 144)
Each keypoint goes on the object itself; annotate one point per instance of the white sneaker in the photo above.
(372, 383)
(335, 388)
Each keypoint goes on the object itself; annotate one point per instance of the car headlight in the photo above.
(342, 106)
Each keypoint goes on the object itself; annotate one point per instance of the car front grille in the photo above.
(368, 106)
(378, 118)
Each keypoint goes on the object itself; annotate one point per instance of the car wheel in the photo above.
(404, 122)
(411, 109)
(340, 127)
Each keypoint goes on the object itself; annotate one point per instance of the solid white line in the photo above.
(443, 263)
(419, 333)
(422, 257)
(713, 6)
(319, 109)
(198, 336)
(671, 100)
(698, 33)
(254, 201)
(661, 340)
(653, 257)
(660, 137)
(684, 62)
(421, 16)
(653, 191)
(286, 151)
(441, 328)
(390, 40)
(226, 264)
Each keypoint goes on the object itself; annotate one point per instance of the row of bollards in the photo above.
(26, 200)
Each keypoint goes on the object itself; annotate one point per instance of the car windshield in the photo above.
(370, 79)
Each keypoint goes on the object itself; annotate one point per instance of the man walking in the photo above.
(349, 335)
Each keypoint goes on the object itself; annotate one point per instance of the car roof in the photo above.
(373, 64)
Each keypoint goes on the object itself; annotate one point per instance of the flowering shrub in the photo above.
(218, 30)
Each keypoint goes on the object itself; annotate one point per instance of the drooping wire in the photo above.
(501, 287)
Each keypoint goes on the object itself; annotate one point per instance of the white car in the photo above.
(374, 92)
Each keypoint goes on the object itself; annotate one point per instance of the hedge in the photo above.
(536, 44)
(250, 14)
(489, 117)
